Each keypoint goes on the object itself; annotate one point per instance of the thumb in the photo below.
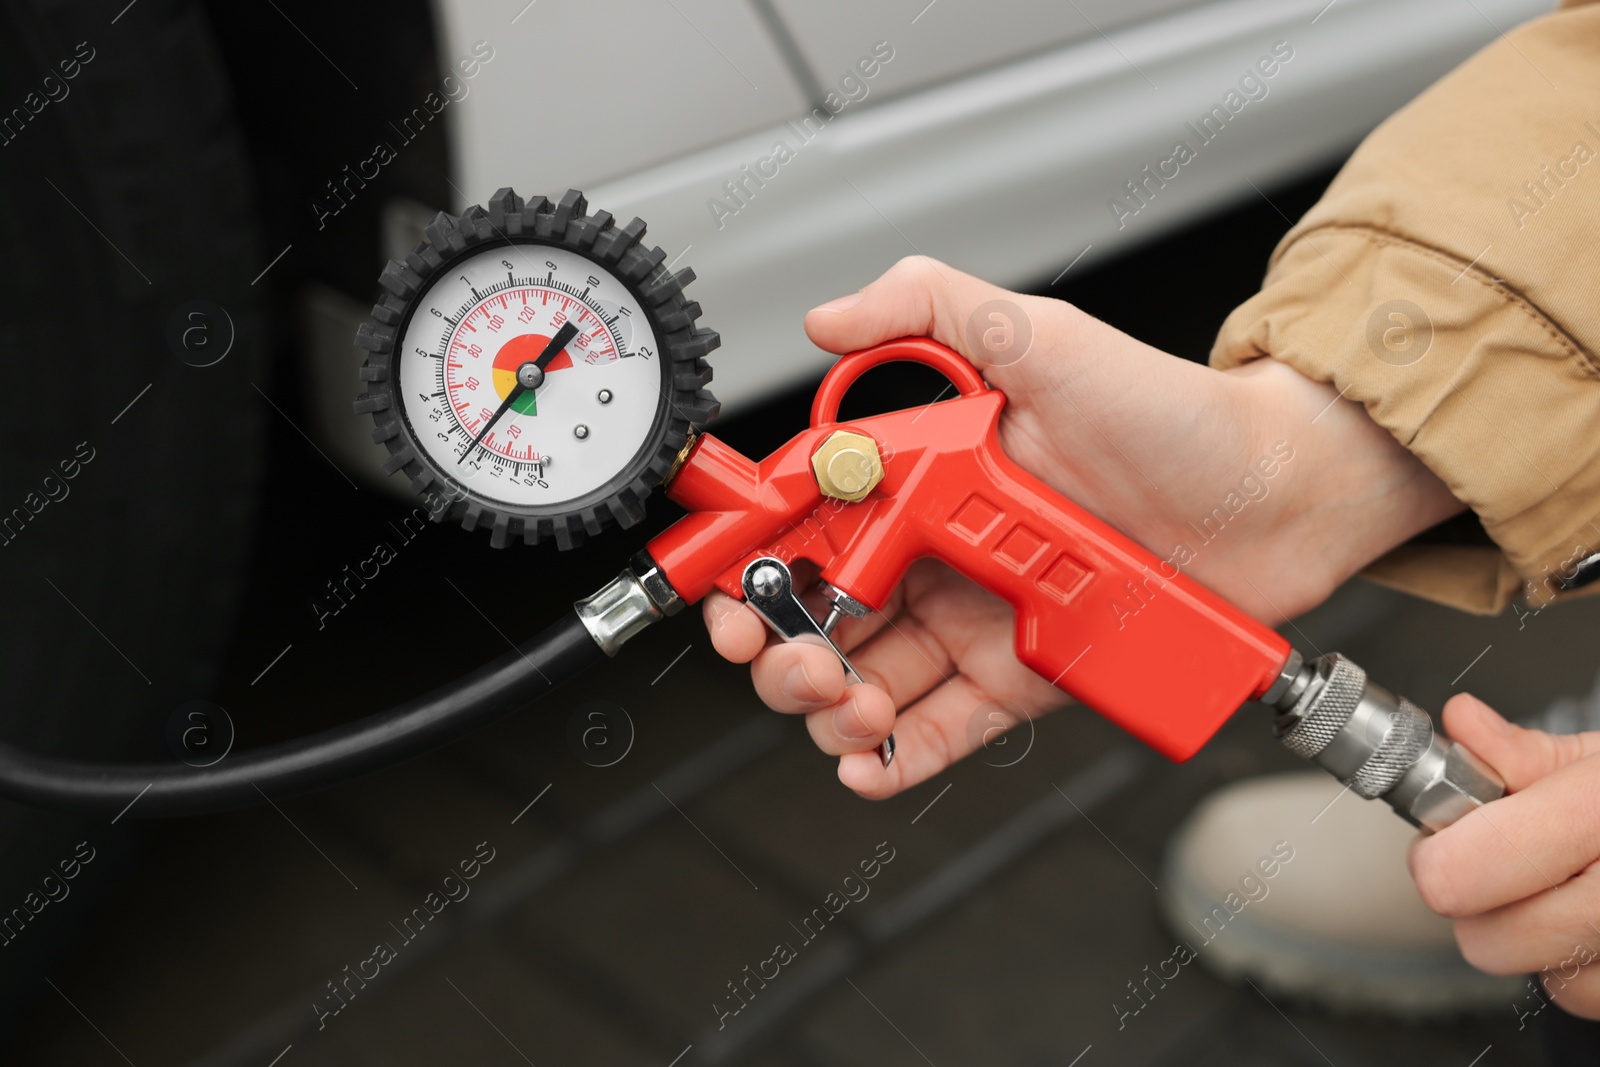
(1518, 755)
(921, 297)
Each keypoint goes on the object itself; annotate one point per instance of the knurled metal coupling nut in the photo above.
(847, 466)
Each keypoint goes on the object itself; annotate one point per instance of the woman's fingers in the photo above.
(911, 299)
(1517, 846)
(1555, 934)
(737, 632)
(858, 723)
(1521, 756)
(900, 663)
(903, 659)
(920, 297)
(930, 735)
(939, 630)
(1524, 843)
(1519, 875)
(804, 678)
(1578, 995)
(798, 676)
(1557, 930)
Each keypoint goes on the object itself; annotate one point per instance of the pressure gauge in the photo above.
(535, 369)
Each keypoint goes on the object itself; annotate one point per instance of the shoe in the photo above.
(1569, 715)
(1301, 886)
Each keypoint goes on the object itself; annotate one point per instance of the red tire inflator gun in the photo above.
(864, 499)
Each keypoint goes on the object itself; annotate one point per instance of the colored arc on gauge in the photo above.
(553, 349)
(513, 354)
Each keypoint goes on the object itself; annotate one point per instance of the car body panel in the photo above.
(1011, 173)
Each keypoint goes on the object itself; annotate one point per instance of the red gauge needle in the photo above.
(529, 376)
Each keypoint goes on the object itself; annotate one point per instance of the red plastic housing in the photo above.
(1170, 673)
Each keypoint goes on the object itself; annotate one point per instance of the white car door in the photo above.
(1011, 139)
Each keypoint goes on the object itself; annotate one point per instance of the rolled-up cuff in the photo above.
(1478, 383)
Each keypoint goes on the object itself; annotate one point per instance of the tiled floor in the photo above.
(618, 908)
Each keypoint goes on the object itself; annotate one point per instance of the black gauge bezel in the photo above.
(449, 477)
(680, 344)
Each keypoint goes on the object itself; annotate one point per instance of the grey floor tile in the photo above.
(665, 924)
(226, 928)
(479, 1004)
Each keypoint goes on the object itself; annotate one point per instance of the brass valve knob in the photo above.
(847, 466)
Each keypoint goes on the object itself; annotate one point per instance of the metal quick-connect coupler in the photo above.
(1380, 745)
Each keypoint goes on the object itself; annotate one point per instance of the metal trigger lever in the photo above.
(769, 590)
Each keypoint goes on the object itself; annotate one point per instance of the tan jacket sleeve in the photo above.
(1449, 280)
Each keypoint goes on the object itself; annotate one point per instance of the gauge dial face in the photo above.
(490, 316)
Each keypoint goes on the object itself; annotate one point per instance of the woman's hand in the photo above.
(1520, 876)
(1146, 441)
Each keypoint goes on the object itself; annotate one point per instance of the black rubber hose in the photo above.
(164, 789)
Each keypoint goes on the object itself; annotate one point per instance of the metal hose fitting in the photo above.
(637, 597)
(1378, 744)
